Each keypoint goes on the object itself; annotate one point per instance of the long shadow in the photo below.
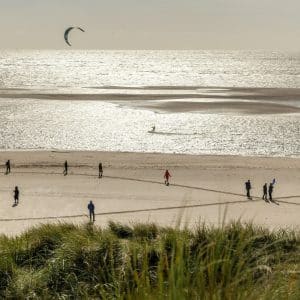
(151, 181)
(289, 197)
(277, 201)
(274, 202)
(137, 180)
(55, 173)
(132, 211)
(181, 186)
(172, 133)
(288, 202)
(144, 210)
(43, 218)
(175, 207)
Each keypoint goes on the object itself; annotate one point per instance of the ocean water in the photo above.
(98, 125)
(83, 69)
(93, 125)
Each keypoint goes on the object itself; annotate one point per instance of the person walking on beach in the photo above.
(265, 192)
(7, 164)
(91, 208)
(16, 195)
(248, 188)
(271, 187)
(167, 176)
(65, 168)
(100, 170)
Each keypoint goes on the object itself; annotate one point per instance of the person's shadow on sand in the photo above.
(274, 202)
(271, 201)
(15, 204)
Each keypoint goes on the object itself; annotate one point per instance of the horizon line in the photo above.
(154, 49)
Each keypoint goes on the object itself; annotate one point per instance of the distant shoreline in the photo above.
(180, 99)
(101, 152)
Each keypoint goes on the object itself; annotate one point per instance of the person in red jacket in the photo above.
(167, 176)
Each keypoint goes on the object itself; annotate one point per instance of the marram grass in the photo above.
(144, 261)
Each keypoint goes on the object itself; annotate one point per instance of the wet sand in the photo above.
(203, 188)
(181, 99)
(223, 107)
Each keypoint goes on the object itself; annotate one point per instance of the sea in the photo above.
(44, 124)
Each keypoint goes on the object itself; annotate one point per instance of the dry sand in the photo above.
(203, 188)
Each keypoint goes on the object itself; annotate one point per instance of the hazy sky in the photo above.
(152, 24)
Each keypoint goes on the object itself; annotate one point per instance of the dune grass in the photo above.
(144, 261)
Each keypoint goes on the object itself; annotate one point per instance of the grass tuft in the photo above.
(145, 261)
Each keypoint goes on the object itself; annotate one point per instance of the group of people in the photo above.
(266, 190)
(91, 207)
(65, 172)
(16, 191)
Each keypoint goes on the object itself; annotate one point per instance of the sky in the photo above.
(151, 24)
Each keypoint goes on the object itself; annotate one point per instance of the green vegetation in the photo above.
(144, 261)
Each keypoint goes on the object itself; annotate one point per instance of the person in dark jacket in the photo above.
(265, 192)
(100, 170)
(16, 195)
(7, 164)
(248, 188)
(91, 208)
(66, 168)
(271, 187)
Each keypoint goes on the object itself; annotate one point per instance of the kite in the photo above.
(68, 30)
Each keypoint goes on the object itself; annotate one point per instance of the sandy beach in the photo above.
(202, 189)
